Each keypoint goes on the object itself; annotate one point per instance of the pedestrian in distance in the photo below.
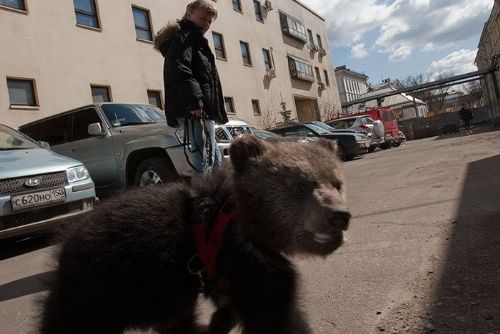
(193, 91)
(466, 116)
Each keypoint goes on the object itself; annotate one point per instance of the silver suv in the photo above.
(374, 129)
(38, 188)
(121, 144)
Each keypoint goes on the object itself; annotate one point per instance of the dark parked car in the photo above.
(349, 142)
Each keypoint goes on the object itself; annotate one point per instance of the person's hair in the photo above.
(201, 4)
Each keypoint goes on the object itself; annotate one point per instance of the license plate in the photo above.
(36, 199)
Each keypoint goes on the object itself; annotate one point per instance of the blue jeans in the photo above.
(200, 146)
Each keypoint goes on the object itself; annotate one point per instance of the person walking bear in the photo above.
(193, 91)
(466, 116)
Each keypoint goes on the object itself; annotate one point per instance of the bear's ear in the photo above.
(329, 144)
(244, 148)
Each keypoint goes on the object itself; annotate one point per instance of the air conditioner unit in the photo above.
(268, 5)
(321, 86)
(312, 47)
(271, 73)
(322, 51)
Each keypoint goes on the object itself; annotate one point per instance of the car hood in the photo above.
(148, 129)
(18, 163)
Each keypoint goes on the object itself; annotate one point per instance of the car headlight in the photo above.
(77, 174)
(360, 138)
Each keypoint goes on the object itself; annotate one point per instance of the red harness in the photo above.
(208, 246)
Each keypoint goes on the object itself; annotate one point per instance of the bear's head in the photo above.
(290, 195)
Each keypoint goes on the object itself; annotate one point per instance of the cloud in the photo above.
(400, 53)
(402, 25)
(358, 51)
(458, 62)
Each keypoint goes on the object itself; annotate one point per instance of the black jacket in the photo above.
(465, 114)
(189, 73)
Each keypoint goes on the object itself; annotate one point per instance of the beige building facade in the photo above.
(487, 57)
(57, 55)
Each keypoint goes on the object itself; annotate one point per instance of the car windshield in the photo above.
(265, 135)
(132, 114)
(13, 140)
(319, 128)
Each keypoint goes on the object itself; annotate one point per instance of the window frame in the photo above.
(96, 14)
(74, 125)
(320, 42)
(24, 10)
(268, 53)
(247, 47)
(34, 94)
(258, 8)
(238, 3)
(318, 75)
(231, 103)
(160, 96)
(327, 79)
(221, 36)
(150, 23)
(290, 30)
(108, 89)
(256, 103)
(298, 73)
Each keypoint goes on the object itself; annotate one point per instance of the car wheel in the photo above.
(371, 149)
(396, 144)
(342, 153)
(385, 146)
(153, 171)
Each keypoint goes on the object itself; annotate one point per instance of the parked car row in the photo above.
(106, 147)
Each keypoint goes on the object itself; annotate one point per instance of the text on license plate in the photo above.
(38, 198)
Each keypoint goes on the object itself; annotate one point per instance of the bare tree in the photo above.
(328, 110)
(268, 117)
(474, 94)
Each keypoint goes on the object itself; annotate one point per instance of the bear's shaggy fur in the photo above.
(125, 266)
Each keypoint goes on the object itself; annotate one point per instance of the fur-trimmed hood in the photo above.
(163, 37)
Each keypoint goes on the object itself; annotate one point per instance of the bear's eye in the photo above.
(337, 186)
(300, 188)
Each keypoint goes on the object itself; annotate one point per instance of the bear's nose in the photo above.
(340, 219)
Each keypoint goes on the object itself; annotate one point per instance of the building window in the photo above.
(245, 53)
(100, 93)
(258, 11)
(228, 102)
(220, 51)
(327, 80)
(256, 107)
(142, 23)
(86, 13)
(154, 98)
(16, 4)
(237, 5)
(267, 59)
(320, 44)
(299, 69)
(318, 76)
(293, 27)
(311, 38)
(22, 92)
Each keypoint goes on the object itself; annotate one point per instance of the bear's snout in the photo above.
(340, 219)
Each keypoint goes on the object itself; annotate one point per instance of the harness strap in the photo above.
(207, 248)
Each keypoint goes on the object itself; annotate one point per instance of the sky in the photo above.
(397, 38)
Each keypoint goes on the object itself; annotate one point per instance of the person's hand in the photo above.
(196, 112)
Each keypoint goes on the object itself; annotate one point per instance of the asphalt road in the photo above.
(422, 253)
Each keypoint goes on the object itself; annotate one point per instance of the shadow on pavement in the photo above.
(25, 286)
(462, 133)
(17, 246)
(467, 296)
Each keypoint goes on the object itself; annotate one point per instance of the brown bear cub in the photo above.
(130, 263)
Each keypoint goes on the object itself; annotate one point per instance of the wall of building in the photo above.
(489, 46)
(45, 44)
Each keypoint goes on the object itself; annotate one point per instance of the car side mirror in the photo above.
(44, 144)
(95, 129)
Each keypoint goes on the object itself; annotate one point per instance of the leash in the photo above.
(198, 147)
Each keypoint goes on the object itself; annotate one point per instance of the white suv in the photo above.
(225, 133)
